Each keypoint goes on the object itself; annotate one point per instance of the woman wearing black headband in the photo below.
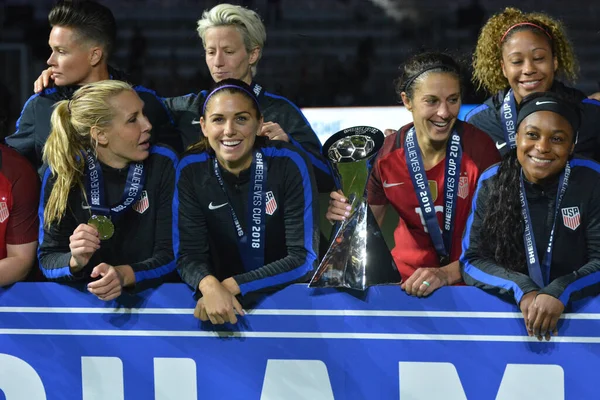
(428, 172)
(522, 53)
(534, 232)
(246, 213)
(106, 196)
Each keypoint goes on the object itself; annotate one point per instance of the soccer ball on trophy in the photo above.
(351, 148)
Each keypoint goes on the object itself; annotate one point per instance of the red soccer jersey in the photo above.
(390, 183)
(19, 198)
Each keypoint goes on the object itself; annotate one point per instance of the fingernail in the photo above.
(346, 213)
(348, 208)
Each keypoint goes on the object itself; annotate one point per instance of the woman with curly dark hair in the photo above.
(534, 230)
(521, 53)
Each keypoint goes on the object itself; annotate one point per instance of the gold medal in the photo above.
(104, 226)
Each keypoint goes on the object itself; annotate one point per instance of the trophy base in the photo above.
(358, 256)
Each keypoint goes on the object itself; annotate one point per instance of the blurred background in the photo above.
(319, 53)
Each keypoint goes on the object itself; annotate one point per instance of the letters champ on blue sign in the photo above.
(61, 343)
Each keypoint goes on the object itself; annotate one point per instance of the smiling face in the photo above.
(230, 123)
(435, 105)
(226, 55)
(72, 58)
(127, 138)
(544, 144)
(528, 63)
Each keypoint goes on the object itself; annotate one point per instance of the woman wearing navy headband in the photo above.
(428, 172)
(522, 53)
(106, 196)
(245, 215)
(534, 232)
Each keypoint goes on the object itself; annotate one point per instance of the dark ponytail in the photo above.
(502, 228)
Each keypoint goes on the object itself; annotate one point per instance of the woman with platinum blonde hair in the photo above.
(233, 38)
(106, 194)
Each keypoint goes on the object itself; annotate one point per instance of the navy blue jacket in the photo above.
(204, 237)
(575, 267)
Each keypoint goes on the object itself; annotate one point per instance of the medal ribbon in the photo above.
(508, 115)
(136, 177)
(541, 273)
(416, 168)
(252, 242)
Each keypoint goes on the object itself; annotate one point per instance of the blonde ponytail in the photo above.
(70, 139)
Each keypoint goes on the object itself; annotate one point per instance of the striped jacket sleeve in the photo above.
(479, 269)
(301, 217)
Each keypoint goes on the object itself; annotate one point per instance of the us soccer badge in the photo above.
(271, 205)
(571, 217)
(142, 204)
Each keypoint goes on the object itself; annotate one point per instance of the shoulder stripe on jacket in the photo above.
(475, 111)
(165, 151)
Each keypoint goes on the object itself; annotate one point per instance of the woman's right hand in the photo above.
(83, 244)
(217, 303)
(43, 81)
(526, 301)
(338, 208)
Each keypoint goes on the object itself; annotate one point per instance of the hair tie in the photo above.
(521, 24)
(253, 97)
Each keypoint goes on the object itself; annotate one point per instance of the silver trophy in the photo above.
(358, 256)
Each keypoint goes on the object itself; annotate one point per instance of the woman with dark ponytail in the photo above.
(245, 214)
(534, 230)
(428, 172)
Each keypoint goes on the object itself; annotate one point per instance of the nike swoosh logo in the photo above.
(195, 122)
(212, 207)
(500, 145)
(388, 185)
(539, 103)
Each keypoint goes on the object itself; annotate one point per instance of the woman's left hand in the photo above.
(424, 281)
(108, 287)
(543, 316)
(274, 132)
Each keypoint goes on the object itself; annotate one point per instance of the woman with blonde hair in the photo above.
(106, 194)
(521, 53)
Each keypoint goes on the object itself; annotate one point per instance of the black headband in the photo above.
(442, 66)
(550, 103)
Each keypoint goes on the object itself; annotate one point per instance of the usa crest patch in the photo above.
(142, 204)
(463, 187)
(571, 217)
(3, 211)
(271, 204)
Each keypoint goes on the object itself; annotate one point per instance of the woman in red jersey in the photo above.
(428, 172)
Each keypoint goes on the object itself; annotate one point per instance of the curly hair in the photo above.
(487, 58)
(502, 227)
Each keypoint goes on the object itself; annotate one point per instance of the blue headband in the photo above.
(232, 87)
